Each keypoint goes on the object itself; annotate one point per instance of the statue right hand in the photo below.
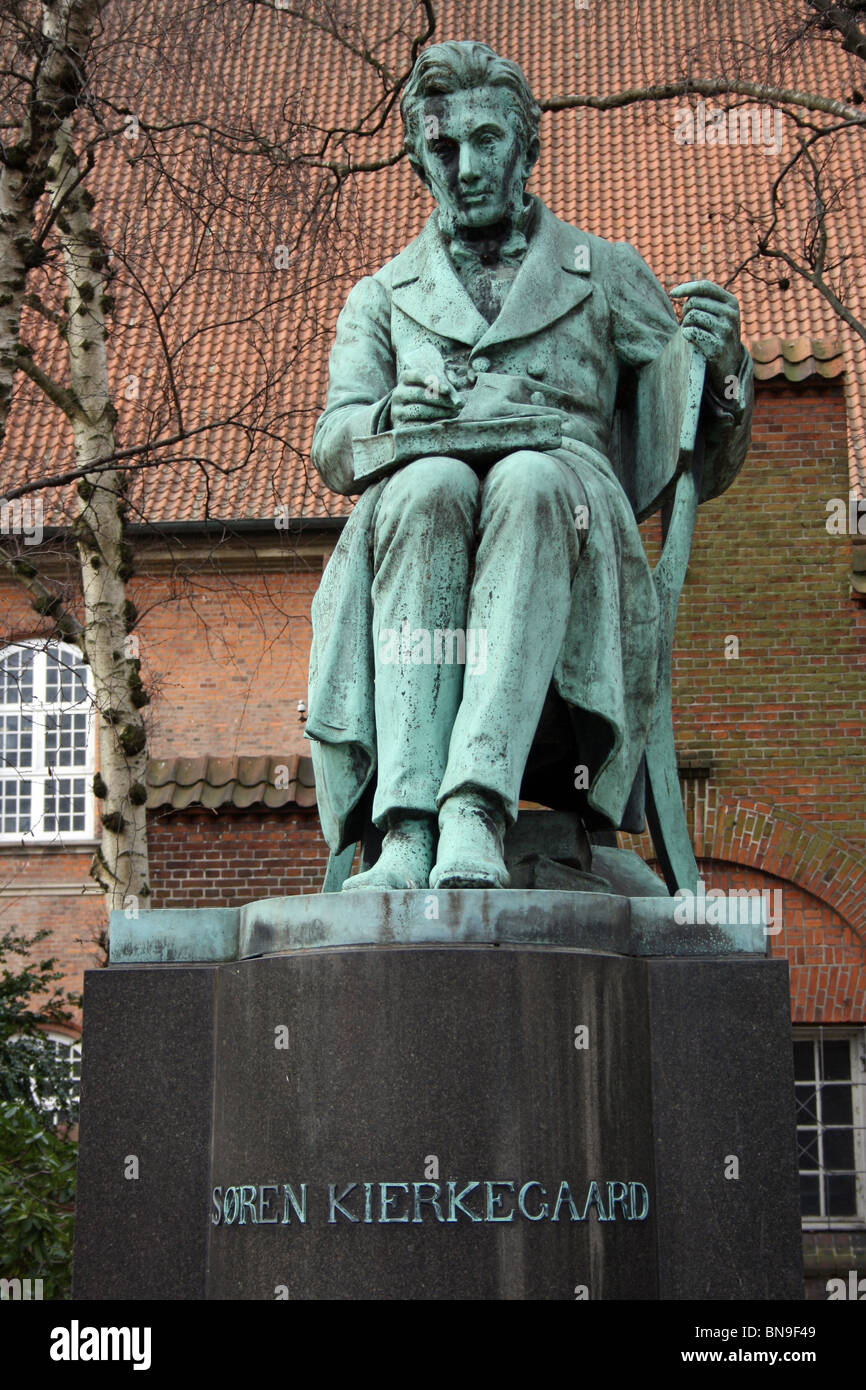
(423, 396)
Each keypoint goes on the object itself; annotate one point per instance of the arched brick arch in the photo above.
(776, 841)
(826, 957)
(750, 844)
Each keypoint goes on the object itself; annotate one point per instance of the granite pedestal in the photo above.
(437, 1096)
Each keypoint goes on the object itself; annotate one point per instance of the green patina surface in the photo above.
(518, 917)
(455, 370)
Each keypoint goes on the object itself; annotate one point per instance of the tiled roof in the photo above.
(797, 358)
(620, 174)
(175, 784)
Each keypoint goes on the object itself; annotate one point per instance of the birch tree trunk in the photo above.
(58, 77)
(120, 864)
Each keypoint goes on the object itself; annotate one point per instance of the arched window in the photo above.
(47, 736)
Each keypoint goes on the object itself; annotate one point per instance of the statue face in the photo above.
(474, 162)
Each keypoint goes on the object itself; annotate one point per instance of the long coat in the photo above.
(581, 316)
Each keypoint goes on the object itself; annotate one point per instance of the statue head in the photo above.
(471, 133)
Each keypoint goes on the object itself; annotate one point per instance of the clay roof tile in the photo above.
(240, 783)
(619, 173)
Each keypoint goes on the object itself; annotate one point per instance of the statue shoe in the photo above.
(406, 858)
(471, 834)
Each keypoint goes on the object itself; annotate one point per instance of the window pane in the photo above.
(66, 740)
(828, 1114)
(807, 1104)
(804, 1061)
(53, 735)
(839, 1148)
(810, 1203)
(16, 741)
(836, 1059)
(65, 682)
(15, 806)
(16, 677)
(836, 1105)
(70, 1051)
(840, 1195)
(65, 805)
(807, 1141)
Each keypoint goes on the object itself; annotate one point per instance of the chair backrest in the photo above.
(656, 424)
(660, 465)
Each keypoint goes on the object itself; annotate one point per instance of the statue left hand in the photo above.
(711, 322)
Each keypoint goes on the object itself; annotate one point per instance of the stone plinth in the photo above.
(473, 1115)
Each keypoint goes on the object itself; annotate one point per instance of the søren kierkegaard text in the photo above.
(383, 1203)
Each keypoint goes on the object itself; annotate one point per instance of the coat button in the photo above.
(538, 398)
(481, 364)
(537, 369)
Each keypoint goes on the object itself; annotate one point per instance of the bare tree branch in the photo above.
(708, 87)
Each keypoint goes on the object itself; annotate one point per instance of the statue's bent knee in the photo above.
(437, 490)
(526, 479)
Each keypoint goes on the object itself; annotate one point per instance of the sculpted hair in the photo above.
(457, 67)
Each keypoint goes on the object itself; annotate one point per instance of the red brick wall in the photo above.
(826, 957)
(198, 859)
(782, 723)
(224, 656)
(225, 659)
(73, 919)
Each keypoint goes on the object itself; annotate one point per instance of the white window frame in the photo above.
(70, 1043)
(856, 1038)
(41, 774)
(63, 1042)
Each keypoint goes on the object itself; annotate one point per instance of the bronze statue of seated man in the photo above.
(498, 327)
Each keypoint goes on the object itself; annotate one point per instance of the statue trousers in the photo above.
(471, 600)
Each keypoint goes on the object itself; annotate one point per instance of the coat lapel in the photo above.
(427, 288)
(548, 284)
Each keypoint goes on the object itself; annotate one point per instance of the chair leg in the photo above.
(664, 804)
(338, 870)
(665, 815)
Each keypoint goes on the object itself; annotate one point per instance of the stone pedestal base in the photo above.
(430, 1121)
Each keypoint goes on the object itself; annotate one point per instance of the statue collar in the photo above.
(506, 243)
(554, 276)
